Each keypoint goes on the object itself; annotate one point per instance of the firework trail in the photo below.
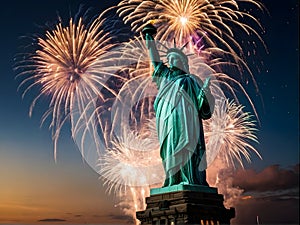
(70, 66)
(135, 98)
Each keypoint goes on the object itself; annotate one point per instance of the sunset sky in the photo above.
(36, 189)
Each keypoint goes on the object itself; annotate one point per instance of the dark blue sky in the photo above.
(278, 80)
(21, 137)
(279, 131)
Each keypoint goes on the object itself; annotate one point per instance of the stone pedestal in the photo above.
(185, 204)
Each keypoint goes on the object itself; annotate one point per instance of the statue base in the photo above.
(183, 187)
(185, 204)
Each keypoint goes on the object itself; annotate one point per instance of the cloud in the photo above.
(51, 220)
(78, 215)
(120, 217)
(270, 196)
(272, 178)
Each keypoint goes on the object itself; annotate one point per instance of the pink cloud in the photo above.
(270, 179)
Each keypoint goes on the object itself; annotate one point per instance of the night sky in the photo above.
(35, 188)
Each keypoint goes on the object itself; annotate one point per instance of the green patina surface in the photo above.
(183, 187)
(181, 104)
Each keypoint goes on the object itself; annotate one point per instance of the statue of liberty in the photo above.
(181, 104)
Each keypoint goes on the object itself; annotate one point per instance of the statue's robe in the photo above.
(180, 107)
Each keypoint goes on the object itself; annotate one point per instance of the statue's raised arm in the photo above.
(148, 32)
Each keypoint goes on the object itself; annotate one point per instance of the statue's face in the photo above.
(174, 61)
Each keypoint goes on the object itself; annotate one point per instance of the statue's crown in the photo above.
(179, 53)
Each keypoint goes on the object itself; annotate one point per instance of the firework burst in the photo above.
(215, 21)
(133, 161)
(229, 133)
(131, 167)
(71, 65)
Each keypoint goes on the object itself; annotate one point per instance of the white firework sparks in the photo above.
(230, 132)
